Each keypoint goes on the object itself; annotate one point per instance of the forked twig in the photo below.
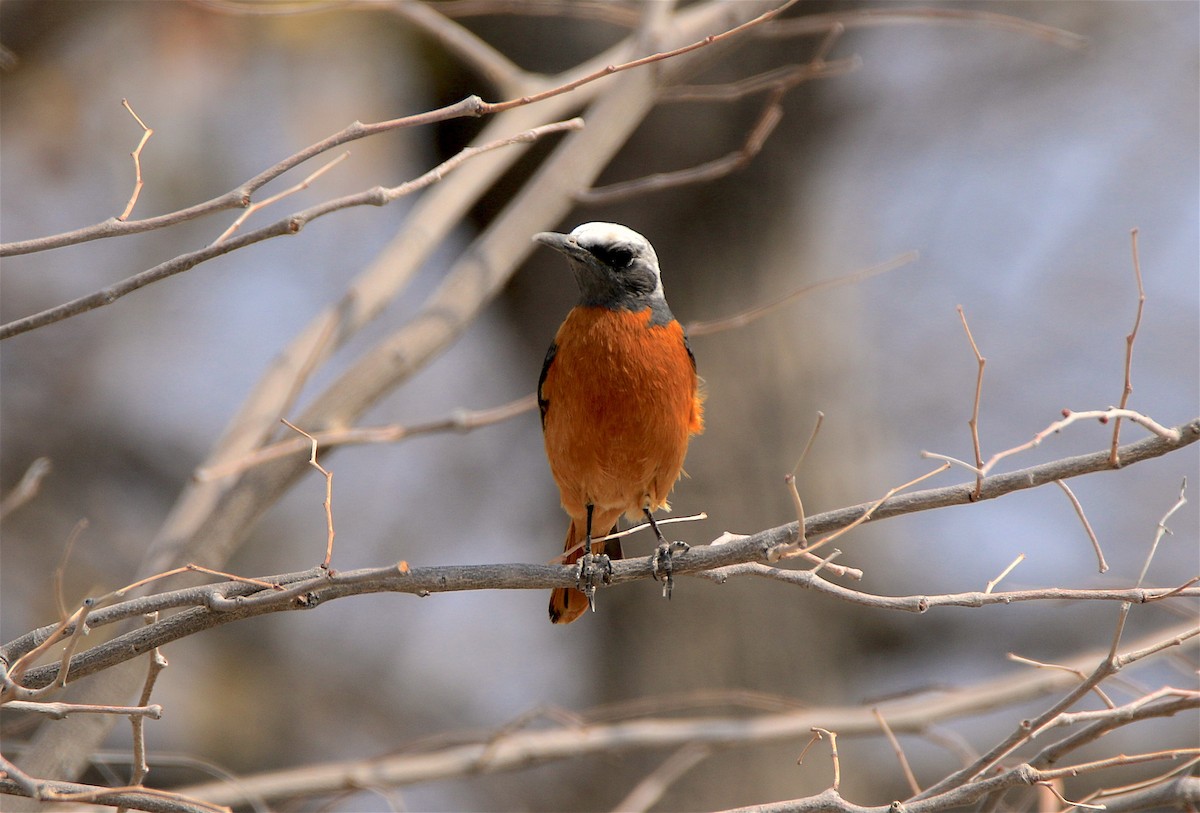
(262, 204)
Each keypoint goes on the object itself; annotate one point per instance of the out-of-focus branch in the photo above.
(520, 749)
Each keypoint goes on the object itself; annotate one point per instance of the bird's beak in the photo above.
(559, 242)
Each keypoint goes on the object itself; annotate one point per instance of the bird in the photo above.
(619, 398)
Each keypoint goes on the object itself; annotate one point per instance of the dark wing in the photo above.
(686, 346)
(543, 404)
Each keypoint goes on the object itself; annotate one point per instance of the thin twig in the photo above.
(769, 119)
(909, 776)
(328, 504)
(819, 23)
(1129, 340)
(1087, 526)
(461, 420)
(60, 570)
(991, 584)
(262, 204)
(137, 161)
(1012, 656)
(786, 76)
(1161, 530)
(790, 479)
(155, 665)
(981, 362)
(650, 790)
(833, 754)
(753, 314)
(27, 488)
(866, 515)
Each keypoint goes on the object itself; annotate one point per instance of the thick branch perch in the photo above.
(214, 605)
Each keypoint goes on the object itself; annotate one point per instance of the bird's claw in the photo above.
(593, 568)
(661, 565)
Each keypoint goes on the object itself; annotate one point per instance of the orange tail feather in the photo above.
(567, 603)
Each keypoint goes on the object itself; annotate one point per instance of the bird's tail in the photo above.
(567, 603)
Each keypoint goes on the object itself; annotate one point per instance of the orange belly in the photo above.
(623, 399)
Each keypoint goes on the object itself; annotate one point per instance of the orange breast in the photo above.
(623, 399)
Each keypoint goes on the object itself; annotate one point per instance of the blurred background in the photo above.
(1015, 166)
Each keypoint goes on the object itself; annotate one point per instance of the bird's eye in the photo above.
(617, 257)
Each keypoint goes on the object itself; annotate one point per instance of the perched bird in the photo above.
(619, 396)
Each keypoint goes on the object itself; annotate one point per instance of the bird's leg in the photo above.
(661, 563)
(591, 565)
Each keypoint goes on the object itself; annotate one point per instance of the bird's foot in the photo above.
(661, 565)
(593, 569)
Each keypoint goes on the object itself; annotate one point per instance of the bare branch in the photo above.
(377, 196)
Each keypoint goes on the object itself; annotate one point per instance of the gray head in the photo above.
(614, 266)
